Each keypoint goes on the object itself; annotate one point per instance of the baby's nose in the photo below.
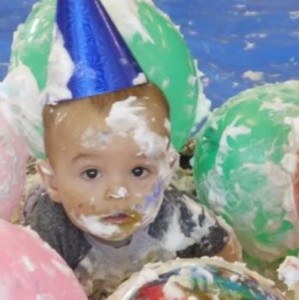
(117, 192)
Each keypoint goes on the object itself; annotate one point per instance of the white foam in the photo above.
(253, 75)
(288, 271)
(126, 116)
(94, 225)
(127, 19)
(60, 70)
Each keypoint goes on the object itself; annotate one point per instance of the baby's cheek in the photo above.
(84, 208)
(153, 198)
(147, 187)
(77, 203)
(88, 206)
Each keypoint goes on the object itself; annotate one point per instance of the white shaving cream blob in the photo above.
(92, 138)
(119, 193)
(94, 225)
(125, 116)
(20, 90)
(60, 70)
(127, 19)
(139, 79)
(288, 271)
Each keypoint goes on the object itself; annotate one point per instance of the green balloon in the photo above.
(31, 47)
(167, 62)
(245, 167)
(32, 43)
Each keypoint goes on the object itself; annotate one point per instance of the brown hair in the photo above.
(147, 93)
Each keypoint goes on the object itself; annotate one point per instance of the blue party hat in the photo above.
(103, 62)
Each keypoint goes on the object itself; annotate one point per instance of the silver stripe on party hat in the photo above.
(89, 56)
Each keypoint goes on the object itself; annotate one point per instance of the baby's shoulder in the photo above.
(183, 223)
(181, 208)
(51, 223)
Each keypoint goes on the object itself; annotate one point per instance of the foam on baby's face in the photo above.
(113, 226)
(127, 117)
(121, 159)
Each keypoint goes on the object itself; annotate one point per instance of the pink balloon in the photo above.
(13, 158)
(31, 270)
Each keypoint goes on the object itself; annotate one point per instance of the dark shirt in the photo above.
(49, 220)
(183, 228)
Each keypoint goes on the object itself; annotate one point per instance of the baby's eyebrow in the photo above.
(144, 159)
(82, 156)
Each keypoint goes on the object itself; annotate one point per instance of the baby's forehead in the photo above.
(119, 115)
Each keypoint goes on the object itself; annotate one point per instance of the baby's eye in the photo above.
(91, 173)
(140, 171)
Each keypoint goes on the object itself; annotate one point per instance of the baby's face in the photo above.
(110, 178)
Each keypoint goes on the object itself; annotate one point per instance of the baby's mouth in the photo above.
(121, 218)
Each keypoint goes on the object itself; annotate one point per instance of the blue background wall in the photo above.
(227, 37)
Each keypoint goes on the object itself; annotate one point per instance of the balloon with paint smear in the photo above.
(32, 41)
(28, 73)
(246, 168)
(13, 161)
(164, 56)
(153, 39)
(204, 278)
(30, 269)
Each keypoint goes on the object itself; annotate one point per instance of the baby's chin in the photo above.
(121, 238)
(115, 241)
(114, 228)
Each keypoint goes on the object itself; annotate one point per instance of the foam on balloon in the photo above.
(30, 269)
(13, 161)
(161, 51)
(204, 278)
(246, 168)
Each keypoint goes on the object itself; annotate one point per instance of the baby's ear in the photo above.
(48, 177)
(174, 158)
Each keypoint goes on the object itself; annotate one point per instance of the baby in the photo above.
(107, 208)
